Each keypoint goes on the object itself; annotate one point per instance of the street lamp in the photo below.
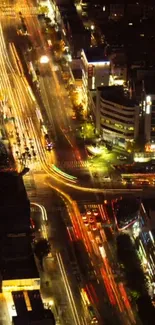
(44, 59)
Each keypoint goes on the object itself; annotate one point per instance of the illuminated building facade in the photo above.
(117, 117)
(95, 68)
(149, 120)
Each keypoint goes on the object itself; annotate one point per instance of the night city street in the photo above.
(77, 172)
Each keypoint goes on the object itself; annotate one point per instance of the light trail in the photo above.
(43, 210)
(44, 219)
(113, 284)
(68, 290)
(108, 287)
(17, 106)
(126, 302)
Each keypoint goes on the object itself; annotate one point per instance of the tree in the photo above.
(87, 130)
(57, 49)
(52, 33)
(42, 249)
(43, 10)
(127, 255)
(78, 110)
(146, 310)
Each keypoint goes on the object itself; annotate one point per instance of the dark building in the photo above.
(17, 264)
(14, 204)
(30, 310)
(18, 269)
(126, 212)
(78, 37)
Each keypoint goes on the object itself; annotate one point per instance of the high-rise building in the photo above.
(117, 117)
(95, 68)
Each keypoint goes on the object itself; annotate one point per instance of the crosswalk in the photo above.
(73, 164)
(29, 183)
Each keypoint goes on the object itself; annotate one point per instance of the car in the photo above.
(94, 226)
(107, 178)
(85, 221)
(121, 157)
(95, 212)
(91, 219)
(98, 240)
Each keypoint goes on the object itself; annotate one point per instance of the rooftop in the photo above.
(116, 95)
(96, 54)
(16, 247)
(11, 188)
(35, 300)
(71, 17)
(127, 210)
(14, 204)
(22, 268)
(44, 317)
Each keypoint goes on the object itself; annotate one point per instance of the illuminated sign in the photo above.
(90, 70)
(100, 63)
(148, 104)
(150, 148)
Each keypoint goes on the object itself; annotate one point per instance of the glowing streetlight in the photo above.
(92, 27)
(44, 59)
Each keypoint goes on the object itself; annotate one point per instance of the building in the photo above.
(139, 10)
(126, 212)
(145, 93)
(76, 34)
(116, 11)
(20, 280)
(17, 264)
(149, 118)
(18, 267)
(117, 117)
(14, 204)
(95, 68)
(29, 309)
(119, 71)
